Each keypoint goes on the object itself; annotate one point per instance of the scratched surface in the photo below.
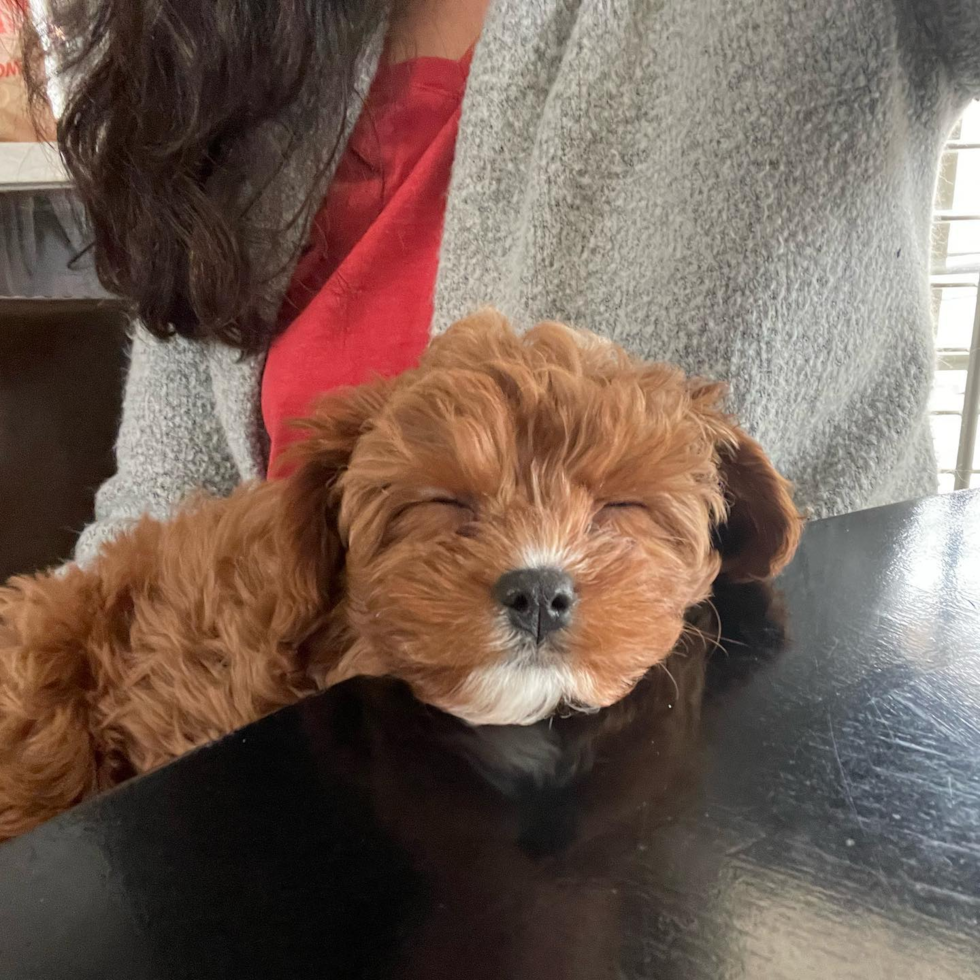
(804, 805)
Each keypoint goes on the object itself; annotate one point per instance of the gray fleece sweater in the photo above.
(742, 187)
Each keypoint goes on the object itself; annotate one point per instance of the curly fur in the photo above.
(377, 553)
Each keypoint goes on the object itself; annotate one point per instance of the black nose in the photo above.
(538, 600)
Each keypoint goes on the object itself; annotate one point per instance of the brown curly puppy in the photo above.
(518, 525)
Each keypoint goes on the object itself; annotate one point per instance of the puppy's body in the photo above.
(383, 553)
(180, 632)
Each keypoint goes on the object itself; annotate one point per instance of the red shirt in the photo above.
(360, 301)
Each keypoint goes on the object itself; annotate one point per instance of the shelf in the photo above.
(48, 307)
(31, 167)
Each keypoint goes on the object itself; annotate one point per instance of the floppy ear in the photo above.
(762, 529)
(311, 497)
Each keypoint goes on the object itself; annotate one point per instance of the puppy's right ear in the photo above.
(311, 498)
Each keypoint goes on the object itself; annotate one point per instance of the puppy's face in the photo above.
(525, 520)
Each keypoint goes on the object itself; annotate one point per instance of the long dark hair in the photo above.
(163, 99)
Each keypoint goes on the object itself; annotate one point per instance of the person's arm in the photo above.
(952, 29)
(170, 441)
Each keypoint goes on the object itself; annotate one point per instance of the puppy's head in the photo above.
(524, 520)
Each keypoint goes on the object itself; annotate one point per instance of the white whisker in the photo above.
(673, 680)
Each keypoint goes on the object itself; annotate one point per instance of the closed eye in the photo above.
(464, 514)
(615, 512)
(431, 516)
(466, 510)
(438, 500)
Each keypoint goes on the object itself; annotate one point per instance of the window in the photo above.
(955, 402)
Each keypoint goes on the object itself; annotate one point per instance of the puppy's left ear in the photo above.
(311, 498)
(762, 528)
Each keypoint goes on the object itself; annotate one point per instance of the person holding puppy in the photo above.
(296, 194)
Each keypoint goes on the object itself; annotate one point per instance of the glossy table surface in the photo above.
(805, 804)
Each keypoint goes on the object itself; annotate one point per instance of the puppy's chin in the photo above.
(520, 693)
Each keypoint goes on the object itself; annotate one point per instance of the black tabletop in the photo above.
(803, 804)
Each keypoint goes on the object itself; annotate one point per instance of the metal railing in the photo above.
(948, 273)
(971, 407)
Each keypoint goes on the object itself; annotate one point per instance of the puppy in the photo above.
(514, 528)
